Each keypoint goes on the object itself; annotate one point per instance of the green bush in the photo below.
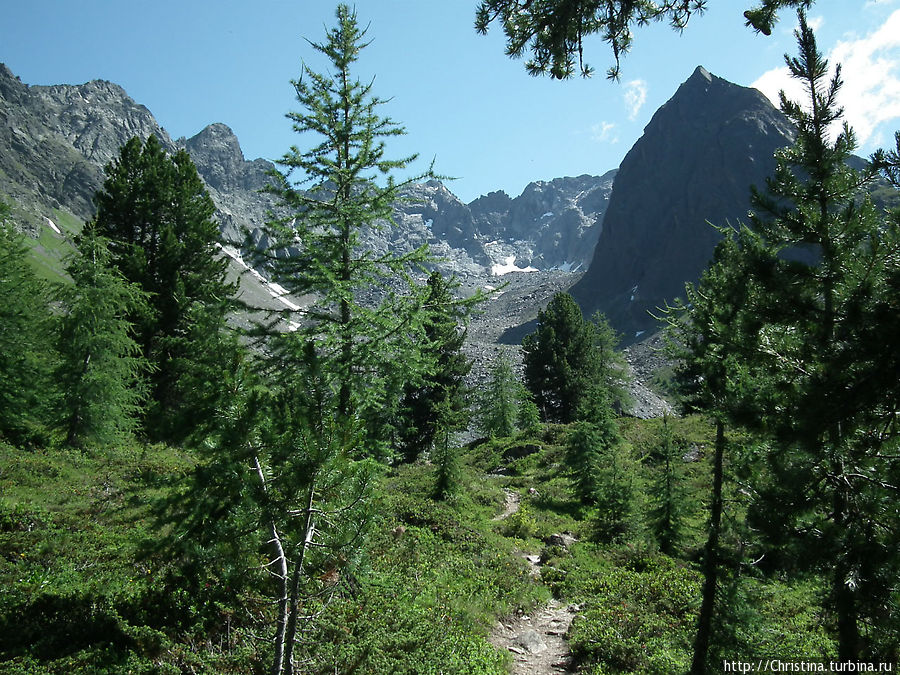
(639, 608)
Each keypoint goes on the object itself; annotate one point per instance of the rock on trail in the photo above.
(535, 641)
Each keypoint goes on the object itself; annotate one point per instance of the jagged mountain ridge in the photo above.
(55, 141)
(698, 157)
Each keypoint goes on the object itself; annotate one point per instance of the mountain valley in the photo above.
(278, 417)
(55, 142)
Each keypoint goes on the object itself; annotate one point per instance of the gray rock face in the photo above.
(531, 641)
(55, 142)
(552, 224)
(233, 182)
(219, 159)
(563, 539)
(693, 166)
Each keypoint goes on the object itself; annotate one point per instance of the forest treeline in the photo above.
(298, 498)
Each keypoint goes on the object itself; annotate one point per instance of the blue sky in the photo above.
(462, 101)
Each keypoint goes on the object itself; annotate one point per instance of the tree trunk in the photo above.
(309, 531)
(711, 561)
(843, 594)
(281, 575)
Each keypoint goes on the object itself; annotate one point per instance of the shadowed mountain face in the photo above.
(693, 166)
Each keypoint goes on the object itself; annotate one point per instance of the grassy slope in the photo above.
(79, 596)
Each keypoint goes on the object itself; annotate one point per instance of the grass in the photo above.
(49, 250)
(86, 592)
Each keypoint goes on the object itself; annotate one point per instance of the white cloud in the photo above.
(605, 132)
(816, 23)
(776, 80)
(871, 74)
(635, 97)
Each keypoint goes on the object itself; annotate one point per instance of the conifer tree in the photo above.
(791, 307)
(603, 472)
(568, 358)
(583, 459)
(528, 417)
(557, 359)
(448, 470)
(158, 217)
(617, 496)
(498, 402)
(667, 515)
(555, 31)
(278, 468)
(100, 372)
(610, 368)
(290, 453)
(442, 383)
(367, 314)
(815, 315)
(25, 348)
(712, 334)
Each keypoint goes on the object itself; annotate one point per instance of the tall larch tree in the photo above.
(25, 348)
(100, 373)
(367, 315)
(291, 453)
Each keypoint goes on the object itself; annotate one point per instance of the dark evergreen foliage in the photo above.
(442, 384)
(553, 32)
(669, 495)
(557, 359)
(528, 417)
(498, 403)
(711, 346)
(445, 457)
(784, 326)
(279, 469)
(825, 417)
(158, 217)
(570, 361)
(583, 460)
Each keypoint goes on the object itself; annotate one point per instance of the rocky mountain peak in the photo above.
(56, 140)
(217, 153)
(698, 157)
(493, 202)
(220, 137)
(700, 74)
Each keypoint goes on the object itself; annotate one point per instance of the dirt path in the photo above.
(513, 499)
(536, 641)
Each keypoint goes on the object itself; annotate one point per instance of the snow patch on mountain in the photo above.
(277, 291)
(509, 266)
